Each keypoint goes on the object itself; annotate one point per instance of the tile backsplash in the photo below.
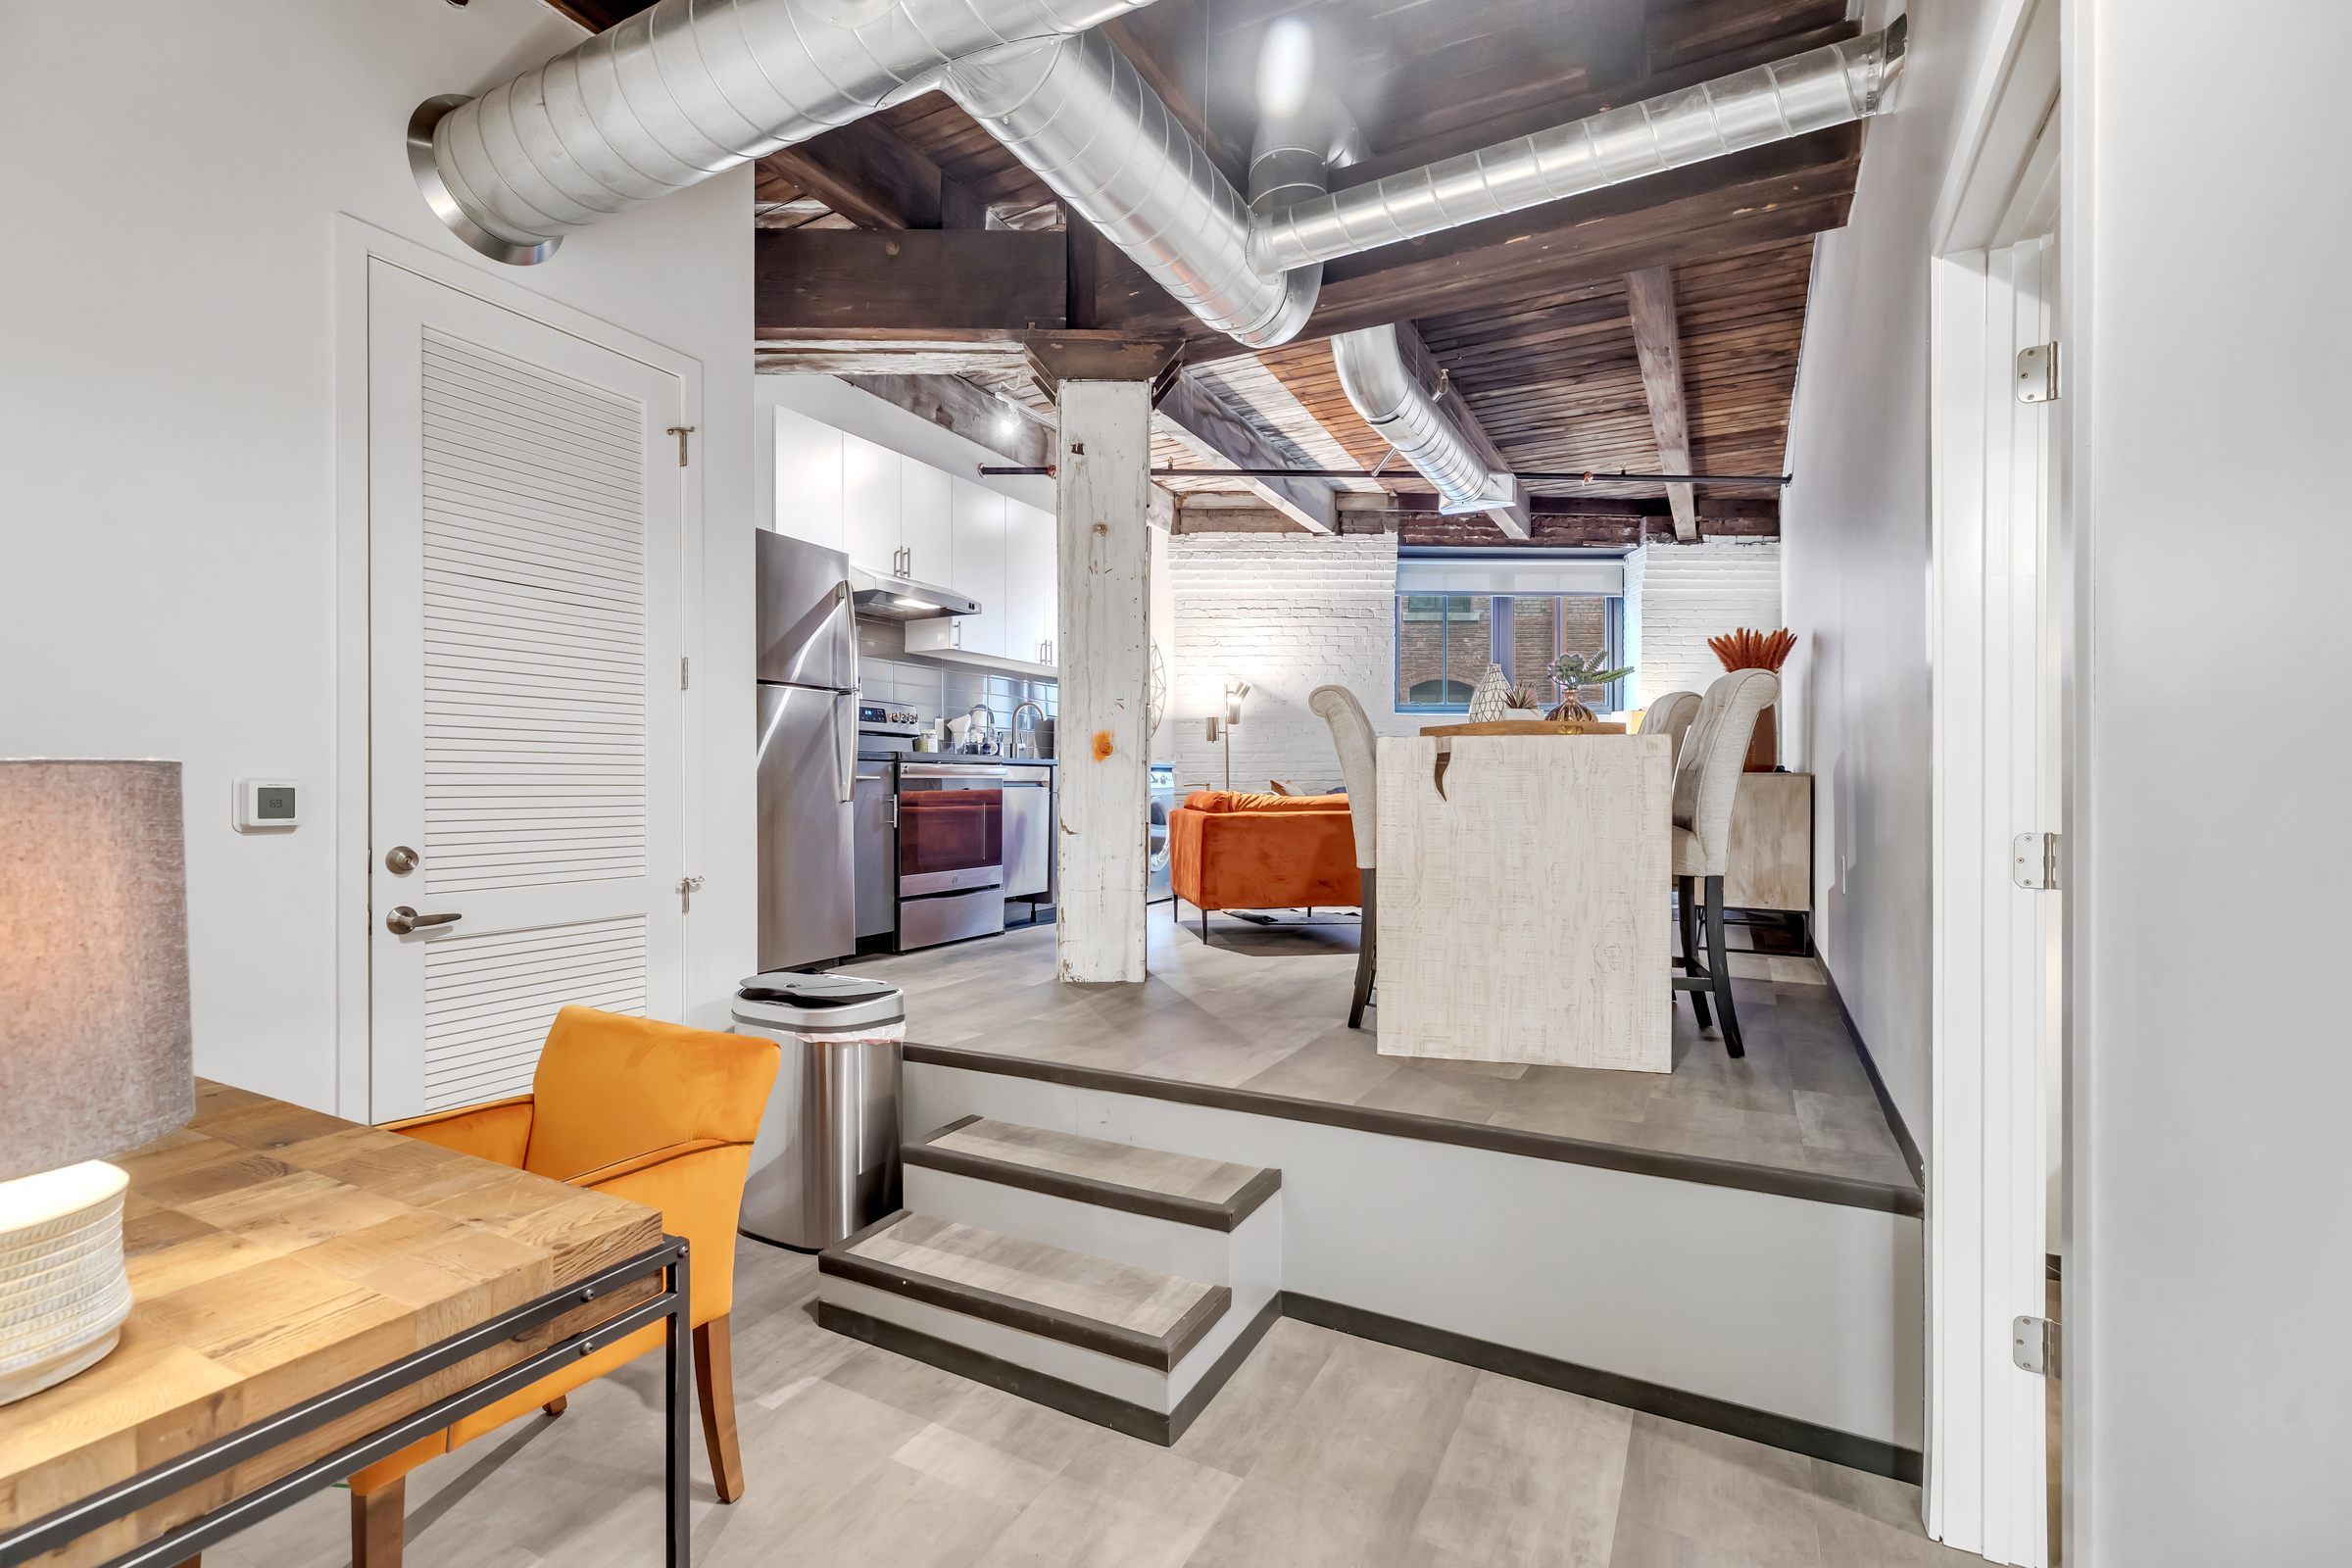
(887, 673)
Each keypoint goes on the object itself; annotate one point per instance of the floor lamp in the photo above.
(1235, 691)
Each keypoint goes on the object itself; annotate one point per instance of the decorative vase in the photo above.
(1571, 708)
(1490, 699)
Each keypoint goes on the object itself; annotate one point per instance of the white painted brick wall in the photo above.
(1690, 593)
(1286, 612)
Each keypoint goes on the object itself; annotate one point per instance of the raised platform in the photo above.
(1255, 1019)
(1736, 1244)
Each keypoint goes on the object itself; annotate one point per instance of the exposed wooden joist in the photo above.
(1657, 340)
(830, 282)
(871, 174)
(1206, 423)
(1417, 523)
(978, 415)
(977, 353)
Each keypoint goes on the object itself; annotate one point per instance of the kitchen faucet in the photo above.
(1027, 706)
(987, 735)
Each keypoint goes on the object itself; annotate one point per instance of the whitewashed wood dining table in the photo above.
(1524, 889)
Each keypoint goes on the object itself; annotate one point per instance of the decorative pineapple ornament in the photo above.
(1490, 699)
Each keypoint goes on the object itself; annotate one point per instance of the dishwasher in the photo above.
(1029, 834)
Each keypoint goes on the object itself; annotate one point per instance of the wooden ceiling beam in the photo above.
(871, 174)
(1657, 341)
(935, 283)
(1206, 423)
(1015, 433)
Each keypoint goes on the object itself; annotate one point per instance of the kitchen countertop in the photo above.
(956, 756)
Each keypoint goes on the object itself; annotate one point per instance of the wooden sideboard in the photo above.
(1771, 844)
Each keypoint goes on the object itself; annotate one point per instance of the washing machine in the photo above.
(1156, 889)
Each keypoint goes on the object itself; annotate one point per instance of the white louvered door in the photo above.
(525, 720)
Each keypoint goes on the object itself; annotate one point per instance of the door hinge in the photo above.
(2037, 374)
(2036, 862)
(685, 674)
(2033, 1346)
(682, 432)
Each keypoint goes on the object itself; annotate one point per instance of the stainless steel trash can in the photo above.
(826, 1161)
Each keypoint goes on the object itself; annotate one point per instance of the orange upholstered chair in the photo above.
(1230, 850)
(654, 1112)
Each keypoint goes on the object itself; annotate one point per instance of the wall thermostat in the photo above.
(263, 804)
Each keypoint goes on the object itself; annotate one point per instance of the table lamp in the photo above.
(93, 1043)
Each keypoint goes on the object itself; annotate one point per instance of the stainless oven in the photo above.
(950, 850)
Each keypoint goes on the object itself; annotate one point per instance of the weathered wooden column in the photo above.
(1103, 385)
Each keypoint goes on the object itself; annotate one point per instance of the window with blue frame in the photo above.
(1445, 641)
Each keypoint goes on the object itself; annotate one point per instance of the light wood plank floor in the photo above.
(1266, 1009)
(1323, 1450)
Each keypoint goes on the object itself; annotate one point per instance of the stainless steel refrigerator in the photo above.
(807, 753)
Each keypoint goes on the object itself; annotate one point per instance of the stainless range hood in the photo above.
(904, 599)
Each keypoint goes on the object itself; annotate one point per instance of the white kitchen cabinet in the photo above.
(1030, 570)
(809, 499)
(977, 557)
(926, 530)
(869, 498)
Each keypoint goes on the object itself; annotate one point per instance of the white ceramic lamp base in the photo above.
(62, 1291)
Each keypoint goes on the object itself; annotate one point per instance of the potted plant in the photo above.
(1571, 674)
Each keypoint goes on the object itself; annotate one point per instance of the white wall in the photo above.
(1854, 543)
(1689, 593)
(1286, 612)
(168, 502)
(2208, 1367)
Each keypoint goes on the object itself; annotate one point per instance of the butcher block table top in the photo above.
(275, 1253)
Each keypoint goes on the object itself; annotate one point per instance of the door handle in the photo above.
(402, 920)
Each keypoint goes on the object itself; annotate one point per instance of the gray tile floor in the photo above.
(1266, 1009)
(1323, 1450)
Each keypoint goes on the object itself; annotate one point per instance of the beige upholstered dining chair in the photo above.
(1706, 780)
(1351, 734)
(1670, 715)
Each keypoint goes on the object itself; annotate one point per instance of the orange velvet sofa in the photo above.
(1232, 850)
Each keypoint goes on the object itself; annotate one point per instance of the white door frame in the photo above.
(356, 243)
(1988, 1162)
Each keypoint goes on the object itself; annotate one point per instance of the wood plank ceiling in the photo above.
(1529, 315)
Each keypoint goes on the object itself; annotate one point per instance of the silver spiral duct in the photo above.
(1088, 125)
(1291, 161)
(1388, 373)
(691, 87)
(1807, 92)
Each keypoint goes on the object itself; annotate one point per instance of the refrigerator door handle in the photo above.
(845, 747)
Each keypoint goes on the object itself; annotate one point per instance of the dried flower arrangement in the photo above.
(1747, 649)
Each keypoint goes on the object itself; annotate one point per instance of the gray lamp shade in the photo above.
(94, 961)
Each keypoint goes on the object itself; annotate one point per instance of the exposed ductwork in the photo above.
(1388, 373)
(1088, 125)
(691, 87)
(685, 91)
(1818, 89)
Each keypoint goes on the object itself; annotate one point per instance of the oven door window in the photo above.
(942, 831)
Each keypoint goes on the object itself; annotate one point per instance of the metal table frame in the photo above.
(125, 1498)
